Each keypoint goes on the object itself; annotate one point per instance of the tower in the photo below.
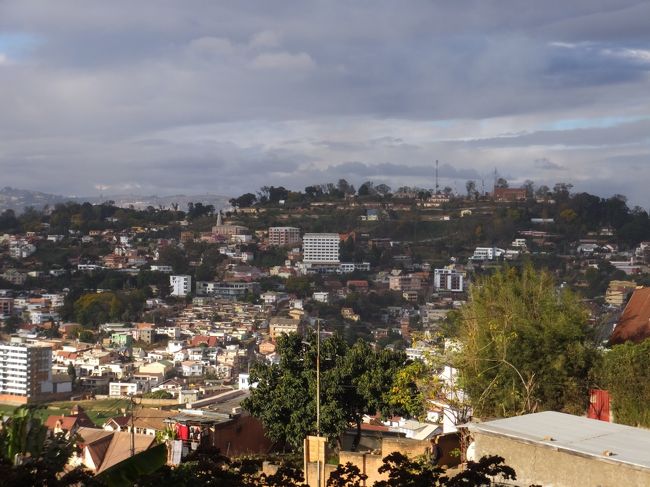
(437, 185)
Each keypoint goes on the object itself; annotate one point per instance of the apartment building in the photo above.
(405, 283)
(180, 285)
(448, 280)
(487, 253)
(321, 248)
(6, 306)
(283, 236)
(25, 372)
(279, 325)
(226, 290)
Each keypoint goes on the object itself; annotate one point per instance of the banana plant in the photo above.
(23, 435)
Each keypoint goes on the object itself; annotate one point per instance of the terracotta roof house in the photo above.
(210, 341)
(66, 424)
(634, 324)
(101, 449)
(118, 423)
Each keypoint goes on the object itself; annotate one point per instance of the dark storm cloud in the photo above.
(223, 96)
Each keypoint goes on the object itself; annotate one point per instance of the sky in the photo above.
(166, 97)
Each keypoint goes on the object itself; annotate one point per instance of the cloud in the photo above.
(265, 39)
(196, 96)
(283, 60)
(636, 132)
(641, 55)
(547, 165)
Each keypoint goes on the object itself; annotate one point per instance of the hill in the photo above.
(19, 199)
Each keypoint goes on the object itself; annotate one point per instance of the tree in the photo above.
(278, 194)
(625, 375)
(347, 475)
(344, 187)
(543, 191)
(362, 382)
(367, 189)
(420, 472)
(525, 345)
(244, 201)
(529, 186)
(72, 373)
(383, 189)
(501, 183)
(354, 381)
(29, 457)
(470, 186)
(11, 324)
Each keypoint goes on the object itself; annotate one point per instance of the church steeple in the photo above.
(219, 222)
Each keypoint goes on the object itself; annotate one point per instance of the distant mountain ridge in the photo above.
(19, 199)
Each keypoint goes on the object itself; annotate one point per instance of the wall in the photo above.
(12, 400)
(545, 466)
(243, 435)
(369, 463)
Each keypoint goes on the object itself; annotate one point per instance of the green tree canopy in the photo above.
(525, 345)
(354, 381)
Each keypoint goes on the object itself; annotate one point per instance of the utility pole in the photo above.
(318, 376)
(132, 427)
(318, 472)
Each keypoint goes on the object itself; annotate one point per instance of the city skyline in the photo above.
(193, 97)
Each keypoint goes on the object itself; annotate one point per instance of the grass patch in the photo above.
(98, 411)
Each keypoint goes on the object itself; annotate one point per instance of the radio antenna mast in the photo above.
(437, 185)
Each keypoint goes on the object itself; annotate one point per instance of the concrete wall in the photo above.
(368, 463)
(545, 466)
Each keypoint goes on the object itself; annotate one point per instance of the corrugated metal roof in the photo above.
(575, 434)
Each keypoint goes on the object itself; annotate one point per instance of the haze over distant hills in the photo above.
(19, 199)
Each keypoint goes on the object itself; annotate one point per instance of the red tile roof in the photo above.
(634, 324)
(210, 341)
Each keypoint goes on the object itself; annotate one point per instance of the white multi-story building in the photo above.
(281, 236)
(226, 290)
(25, 372)
(487, 253)
(448, 280)
(123, 389)
(162, 268)
(321, 248)
(181, 285)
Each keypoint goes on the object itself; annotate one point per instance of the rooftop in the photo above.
(634, 324)
(576, 435)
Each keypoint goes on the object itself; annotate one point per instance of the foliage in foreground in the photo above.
(625, 374)
(526, 345)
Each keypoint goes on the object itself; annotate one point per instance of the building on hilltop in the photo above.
(509, 194)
